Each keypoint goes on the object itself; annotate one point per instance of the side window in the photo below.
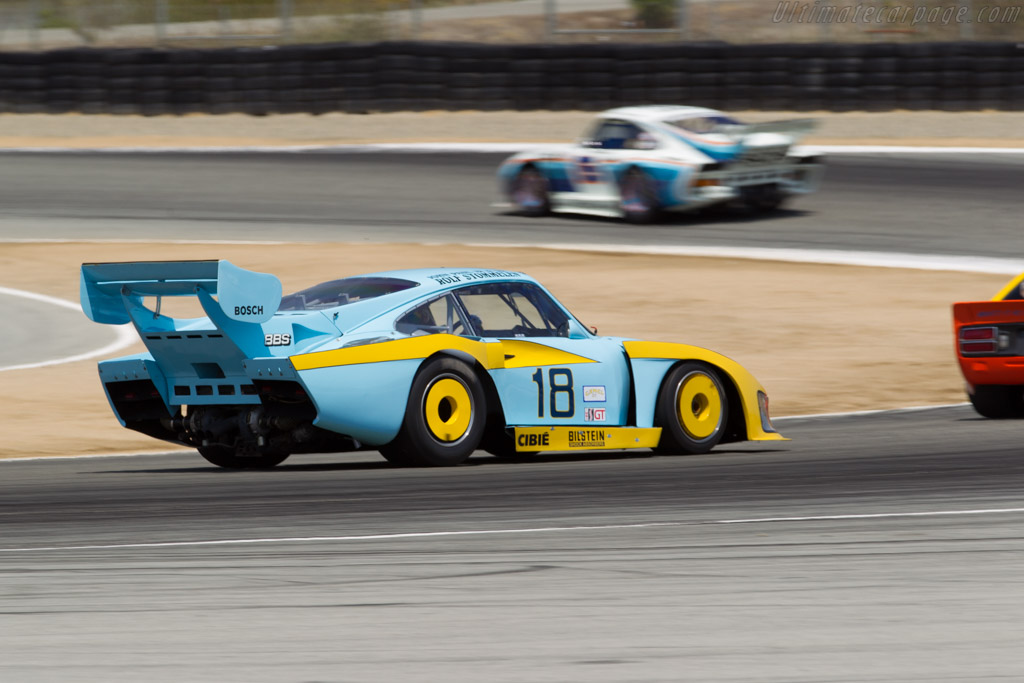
(434, 317)
(616, 135)
(512, 310)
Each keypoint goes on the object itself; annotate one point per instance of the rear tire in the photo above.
(445, 416)
(692, 410)
(530, 193)
(998, 402)
(502, 445)
(228, 458)
(639, 197)
(396, 455)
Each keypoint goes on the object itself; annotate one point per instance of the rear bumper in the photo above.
(1007, 370)
(797, 176)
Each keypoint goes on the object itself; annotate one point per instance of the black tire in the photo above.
(445, 416)
(395, 454)
(692, 410)
(639, 197)
(530, 193)
(998, 402)
(228, 458)
(501, 444)
(762, 198)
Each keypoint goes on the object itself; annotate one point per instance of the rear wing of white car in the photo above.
(793, 128)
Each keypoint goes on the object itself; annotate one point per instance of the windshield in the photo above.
(704, 124)
(513, 309)
(341, 292)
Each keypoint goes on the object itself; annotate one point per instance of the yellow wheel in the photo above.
(699, 405)
(692, 409)
(444, 418)
(448, 408)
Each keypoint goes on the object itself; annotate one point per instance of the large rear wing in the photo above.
(111, 292)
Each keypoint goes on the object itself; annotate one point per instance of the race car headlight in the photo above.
(762, 406)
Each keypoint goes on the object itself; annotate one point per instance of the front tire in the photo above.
(998, 402)
(445, 416)
(639, 197)
(692, 410)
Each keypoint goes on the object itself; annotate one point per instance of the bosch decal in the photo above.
(248, 310)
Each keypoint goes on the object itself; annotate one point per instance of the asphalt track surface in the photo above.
(929, 203)
(882, 547)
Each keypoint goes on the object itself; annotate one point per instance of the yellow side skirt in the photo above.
(532, 439)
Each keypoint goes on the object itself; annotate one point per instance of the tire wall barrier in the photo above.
(411, 76)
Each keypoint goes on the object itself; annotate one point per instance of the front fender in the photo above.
(651, 361)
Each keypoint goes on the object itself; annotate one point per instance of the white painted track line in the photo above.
(496, 532)
(834, 257)
(125, 335)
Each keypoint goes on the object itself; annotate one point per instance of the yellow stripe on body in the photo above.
(586, 438)
(491, 355)
(524, 354)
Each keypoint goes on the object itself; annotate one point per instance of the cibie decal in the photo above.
(277, 340)
(594, 394)
(534, 439)
(593, 414)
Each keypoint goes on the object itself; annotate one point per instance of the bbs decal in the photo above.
(278, 339)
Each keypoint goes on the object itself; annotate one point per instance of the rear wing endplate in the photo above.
(109, 290)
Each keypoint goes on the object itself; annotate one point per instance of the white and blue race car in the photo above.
(425, 366)
(636, 162)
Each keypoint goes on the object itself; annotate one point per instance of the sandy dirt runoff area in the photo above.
(946, 129)
(820, 338)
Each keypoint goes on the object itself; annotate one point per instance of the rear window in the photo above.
(345, 291)
(704, 124)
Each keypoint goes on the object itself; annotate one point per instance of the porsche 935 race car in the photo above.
(425, 366)
(636, 162)
(990, 350)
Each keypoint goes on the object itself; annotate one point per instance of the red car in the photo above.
(990, 348)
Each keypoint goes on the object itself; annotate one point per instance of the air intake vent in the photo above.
(208, 371)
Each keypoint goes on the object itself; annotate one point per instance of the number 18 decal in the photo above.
(560, 383)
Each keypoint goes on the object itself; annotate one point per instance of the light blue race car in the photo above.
(425, 366)
(638, 162)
